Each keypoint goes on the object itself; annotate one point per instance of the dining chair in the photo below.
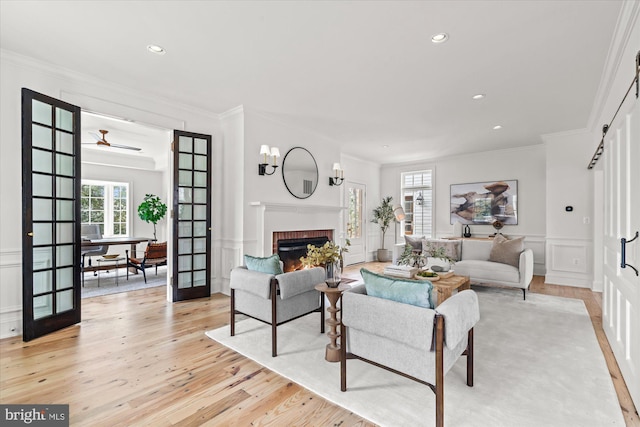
(154, 255)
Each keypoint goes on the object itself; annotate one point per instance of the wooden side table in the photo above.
(332, 353)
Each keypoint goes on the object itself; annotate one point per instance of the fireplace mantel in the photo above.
(288, 207)
(272, 217)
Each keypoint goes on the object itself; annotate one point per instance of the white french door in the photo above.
(355, 195)
(621, 298)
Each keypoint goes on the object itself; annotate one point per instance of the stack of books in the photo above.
(403, 271)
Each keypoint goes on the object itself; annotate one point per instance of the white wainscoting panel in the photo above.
(570, 262)
(10, 293)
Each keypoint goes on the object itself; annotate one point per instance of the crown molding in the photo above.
(628, 18)
(431, 162)
(232, 112)
(67, 74)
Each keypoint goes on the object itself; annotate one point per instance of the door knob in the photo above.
(30, 234)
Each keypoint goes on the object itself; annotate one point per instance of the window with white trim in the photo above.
(417, 201)
(107, 204)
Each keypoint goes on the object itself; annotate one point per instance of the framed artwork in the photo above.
(485, 202)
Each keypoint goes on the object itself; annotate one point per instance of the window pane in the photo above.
(417, 200)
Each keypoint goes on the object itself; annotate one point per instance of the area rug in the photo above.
(108, 282)
(537, 363)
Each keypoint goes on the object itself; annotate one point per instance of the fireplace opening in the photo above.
(291, 250)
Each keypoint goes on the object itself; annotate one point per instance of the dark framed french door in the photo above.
(191, 215)
(51, 212)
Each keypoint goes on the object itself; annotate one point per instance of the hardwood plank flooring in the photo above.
(138, 360)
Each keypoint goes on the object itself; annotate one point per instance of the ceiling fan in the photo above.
(101, 140)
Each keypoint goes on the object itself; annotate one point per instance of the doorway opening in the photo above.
(121, 162)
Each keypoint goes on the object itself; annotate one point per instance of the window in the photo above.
(106, 204)
(354, 222)
(417, 200)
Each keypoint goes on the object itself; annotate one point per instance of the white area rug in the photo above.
(537, 363)
(108, 282)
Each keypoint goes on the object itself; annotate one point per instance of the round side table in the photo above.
(332, 353)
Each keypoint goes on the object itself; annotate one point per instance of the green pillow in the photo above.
(414, 292)
(269, 265)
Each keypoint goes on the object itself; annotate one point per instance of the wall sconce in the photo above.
(275, 153)
(338, 175)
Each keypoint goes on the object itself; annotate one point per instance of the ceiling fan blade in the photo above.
(126, 147)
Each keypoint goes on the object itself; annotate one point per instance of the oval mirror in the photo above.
(300, 172)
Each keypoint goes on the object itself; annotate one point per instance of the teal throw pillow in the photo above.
(269, 265)
(414, 292)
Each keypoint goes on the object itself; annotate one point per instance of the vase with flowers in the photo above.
(328, 256)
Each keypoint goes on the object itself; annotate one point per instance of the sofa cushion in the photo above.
(506, 251)
(269, 265)
(414, 241)
(487, 271)
(414, 292)
(451, 247)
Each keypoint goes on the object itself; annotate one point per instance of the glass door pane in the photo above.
(192, 216)
(51, 170)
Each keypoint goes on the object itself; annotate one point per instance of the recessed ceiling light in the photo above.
(385, 146)
(479, 96)
(158, 50)
(440, 38)
(496, 127)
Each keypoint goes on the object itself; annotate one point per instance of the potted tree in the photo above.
(383, 216)
(152, 210)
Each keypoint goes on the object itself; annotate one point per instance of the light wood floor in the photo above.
(137, 360)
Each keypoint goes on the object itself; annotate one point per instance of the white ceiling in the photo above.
(364, 73)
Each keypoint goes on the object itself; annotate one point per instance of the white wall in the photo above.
(569, 245)
(526, 165)
(261, 129)
(17, 72)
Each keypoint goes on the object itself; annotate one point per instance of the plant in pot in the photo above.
(411, 258)
(152, 210)
(383, 216)
(328, 256)
(439, 252)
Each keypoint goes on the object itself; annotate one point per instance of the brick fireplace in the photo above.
(291, 245)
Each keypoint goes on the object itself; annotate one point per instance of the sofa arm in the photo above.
(526, 268)
(461, 312)
(403, 323)
(300, 281)
(254, 282)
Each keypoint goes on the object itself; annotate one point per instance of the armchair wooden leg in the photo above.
(232, 320)
(274, 319)
(439, 389)
(343, 357)
(321, 313)
(470, 358)
(524, 294)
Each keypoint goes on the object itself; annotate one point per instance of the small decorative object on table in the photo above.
(427, 275)
(328, 256)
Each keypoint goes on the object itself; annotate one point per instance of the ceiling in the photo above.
(363, 73)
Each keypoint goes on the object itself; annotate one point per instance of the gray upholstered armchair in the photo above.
(419, 343)
(276, 299)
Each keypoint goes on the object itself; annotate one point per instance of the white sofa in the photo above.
(474, 262)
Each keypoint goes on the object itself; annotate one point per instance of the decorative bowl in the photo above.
(433, 278)
(110, 256)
